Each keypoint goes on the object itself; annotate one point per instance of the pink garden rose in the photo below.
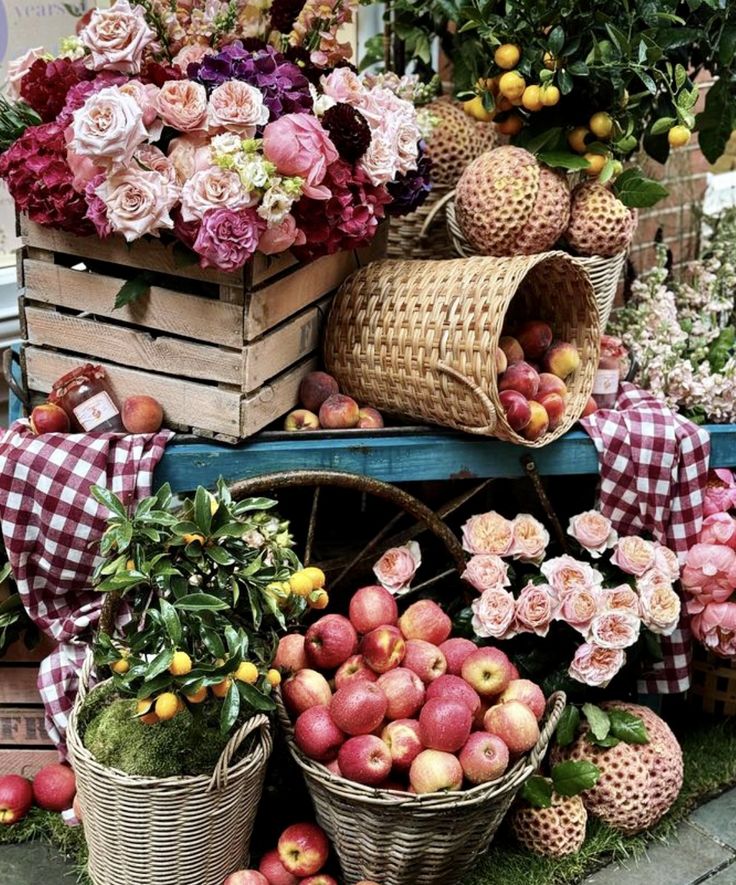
(108, 129)
(619, 599)
(486, 570)
(595, 666)
(191, 54)
(117, 38)
(633, 555)
(183, 105)
(660, 608)
(530, 539)
(145, 94)
(298, 145)
(578, 609)
(593, 531)
(151, 157)
(488, 533)
(665, 560)
(214, 188)
(395, 570)
(83, 169)
(236, 107)
(617, 629)
(138, 202)
(715, 627)
(565, 574)
(227, 238)
(379, 162)
(709, 575)
(536, 607)
(96, 208)
(18, 68)
(720, 492)
(281, 237)
(345, 86)
(190, 154)
(493, 614)
(719, 528)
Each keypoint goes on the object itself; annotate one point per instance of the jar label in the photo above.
(96, 410)
(606, 381)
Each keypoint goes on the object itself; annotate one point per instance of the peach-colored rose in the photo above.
(345, 86)
(660, 607)
(493, 614)
(665, 560)
(488, 533)
(83, 168)
(192, 54)
(536, 607)
(190, 154)
(151, 157)
(719, 528)
(593, 531)
(117, 38)
(633, 555)
(595, 666)
(138, 202)
(619, 599)
(395, 570)
(297, 144)
(578, 609)
(530, 539)
(183, 105)
(618, 629)
(486, 570)
(236, 107)
(715, 627)
(281, 237)
(144, 94)
(565, 574)
(213, 188)
(709, 575)
(108, 128)
(18, 68)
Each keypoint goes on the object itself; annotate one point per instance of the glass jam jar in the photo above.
(608, 376)
(85, 396)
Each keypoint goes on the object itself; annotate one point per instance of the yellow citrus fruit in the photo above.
(475, 108)
(301, 584)
(197, 697)
(507, 56)
(678, 136)
(120, 667)
(191, 538)
(273, 677)
(512, 125)
(597, 162)
(247, 672)
(601, 125)
(512, 85)
(532, 98)
(316, 576)
(130, 565)
(145, 714)
(550, 96)
(181, 664)
(550, 62)
(167, 705)
(576, 139)
(222, 688)
(319, 599)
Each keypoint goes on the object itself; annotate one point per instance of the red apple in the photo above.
(358, 708)
(534, 337)
(370, 418)
(330, 641)
(455, 651)
(425, 659)
(522, 378)
(290, 655)
(16, 798)
(511, 348)
(528, 693)
(319, 879)
(549, 383)
(425, 620)
(49, 418)
(246, 877)
(317, 735)
(402, 739)
(383, 648)
(354, 669)
(516, 408)
(305, 689)
(480, 713)
(404, 691)
(515, 724)
(448, 686)
(274, 871)
(554, 405)
(372, 607)
(434, 771)
(485, 757)
(487, 670)
(444, 724)
(301, 420)
(365, 759)
(54, 787)
(514, 671)
(303, 849)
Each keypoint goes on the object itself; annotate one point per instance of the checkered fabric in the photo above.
(654, 468)
(51, 525)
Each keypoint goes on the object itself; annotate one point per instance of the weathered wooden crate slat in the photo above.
(25, 762)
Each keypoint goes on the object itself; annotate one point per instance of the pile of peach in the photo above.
(323, 407)
(396, 703)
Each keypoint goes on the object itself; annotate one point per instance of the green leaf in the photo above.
(195, 602)
(133, 290)
(202, 510)
(664, 124)
(563, 160)
(159, 664)
(578, 69)
(598, 720)
(154, 686)
(556, 40)
(680, 76)
(565, 82)
(108, 499)
(257, 701)
(170, 617)
(716, 122)
(218, 555)
(570, 778)
(628, 727)
(251, 504)
(212, 642)
(568, 725)
(648, 82)
(230, 709)
(727, 46)
(721, 350)
(606, 743)
(636, 191)
(537, 791)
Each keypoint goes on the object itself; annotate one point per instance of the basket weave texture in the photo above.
(419, 338)
(424, 232)
(433, 839)
(161, 831)
(713, 687)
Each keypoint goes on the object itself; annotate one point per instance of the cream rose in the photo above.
(379, 162)
(213, 188)
(189, 154)
(275, 205)
(633, 555)
(151, 157)
(578, 609)
(395, 570)
(593, 531)
(108, 128)
(183, 105)
(660, 609)
(619, 599)
(117, 38)
(536, 607)
(595, 666)
(144, 95)
(618, 629)
(486, 570)
(236, 107)
(530, 539)
(138, 202)
(493, 614)
(565, 574)
(488, 533)
(665, 560)
(18, 68)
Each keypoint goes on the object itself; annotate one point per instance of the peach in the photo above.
(369, 418)
(274, 871)
(534, 337)
(554, 405)
(484, 757)
(354, 669)
(317, 735)
(404, 691)
(303, 849)
(511, 347)
(141, 414)
(444, 724)
(449, 686)
(290, 654)
(365, 759)
(538, 424)
(49, 418)
(402, 739)
(425, 659)
(339, 412)
(528, 693)
(549, 383)
(434, 770)
(306, 688)
(515, 724)
(520, 377)
(487, 670)
(372, 607)
(425, 620)
(315, 388)
(590, 407)
(330, 641)
(383, 648)
(516, 409)
(562, 359)
(502, 362)
(301, 420)
(358, 708)
(455, 651)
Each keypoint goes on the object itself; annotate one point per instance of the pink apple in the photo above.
(403, 741)
(444, 724)
(454, 687)
(487, 670)
(334, 767)
(434, 771)
(425, 659)
(404, 691)
(290, 655)
(455, 651)
(354, 669)
(515, 724)
(319, 879)
(330, 641)
(316, 735)
(425, 620)
(383, 648)
(528, 693)
(485, 757)
(372, 607)
(358, 708)
(246, 877)
(305, 689)
(303, 849)
(514, 671)
(365, 759)
(274, 871)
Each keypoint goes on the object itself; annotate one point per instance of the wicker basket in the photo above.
(387, 837)
(604, 273)
(161, 831)
(423, 233)
(713, 688)
(419, 338)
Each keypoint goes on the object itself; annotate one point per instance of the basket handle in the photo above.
(260, 722)
(555, 707)
(85, 674)
(477, 391)
(433, 212)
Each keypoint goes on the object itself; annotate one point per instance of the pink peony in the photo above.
(593, 531)
(236, 107)
(395, 570)
(18, 68)
(183, 105)
(709, 575)
(214, 188)
(298, 145)
(138, 202)
(536, 607)
(660, 608)
(486, 570)
(715, 627)
(617, 629)
(96, 208)
(108, 129)
(117, 38)
(530, 539)
(145, 96)
(633, 555)
(619, 599)
(665, 560)
(595, 666)
(720, 492)
(488, 533)
(227, 239)
(190, 154)
(578, 609)
(493, 614)
(565, 574)
(719, 528)
(345, 86)
(281, 237)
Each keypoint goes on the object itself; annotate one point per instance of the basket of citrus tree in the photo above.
(170, 751)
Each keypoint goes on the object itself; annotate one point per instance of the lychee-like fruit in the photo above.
(455, 140)
(600, 224)
(556, 831)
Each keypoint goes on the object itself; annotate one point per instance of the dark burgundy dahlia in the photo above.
(284, 13)
(410, 190)
(349, 131)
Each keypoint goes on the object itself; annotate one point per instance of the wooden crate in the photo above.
(223, 353)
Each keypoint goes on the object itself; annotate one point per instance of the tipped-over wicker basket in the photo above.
(183, 830)
(419, 338)
(395, 839)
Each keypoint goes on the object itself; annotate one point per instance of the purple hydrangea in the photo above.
(409, 191)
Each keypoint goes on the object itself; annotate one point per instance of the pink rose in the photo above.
(117, 38)
(719, 528)
(715, 627)
(281, 237)
(488, 533)
(578, 609)
(536, 607)
(138, 202)
(633, 555)
(227, 239)
(660, 607)
(236, 107)
(720, 492)
(96, 208)
(192, 54)
(190, 154)
(345, 86)
(214, 188)
(486, 570)
(18, 68)
(395, 570)
(593, 531)
(709, 575)
(298, 145)
(565, 574)
(151, 157)
(83, 168)
(493, 614)
(530, 539)
(144, 94)
(619, 599)
(595, 666)
(618, 629)
(665, 560)
(108, 129)
(379, 160)
(183, 105)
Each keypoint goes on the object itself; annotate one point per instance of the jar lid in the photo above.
(79, 372)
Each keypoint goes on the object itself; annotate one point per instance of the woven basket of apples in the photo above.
(413, 743)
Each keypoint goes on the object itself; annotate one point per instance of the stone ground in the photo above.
(704, 852)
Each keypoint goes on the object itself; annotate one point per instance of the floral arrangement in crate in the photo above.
(609, 601)
(230, 126)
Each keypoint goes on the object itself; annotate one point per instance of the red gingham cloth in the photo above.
(654, 468)
(51, 523)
